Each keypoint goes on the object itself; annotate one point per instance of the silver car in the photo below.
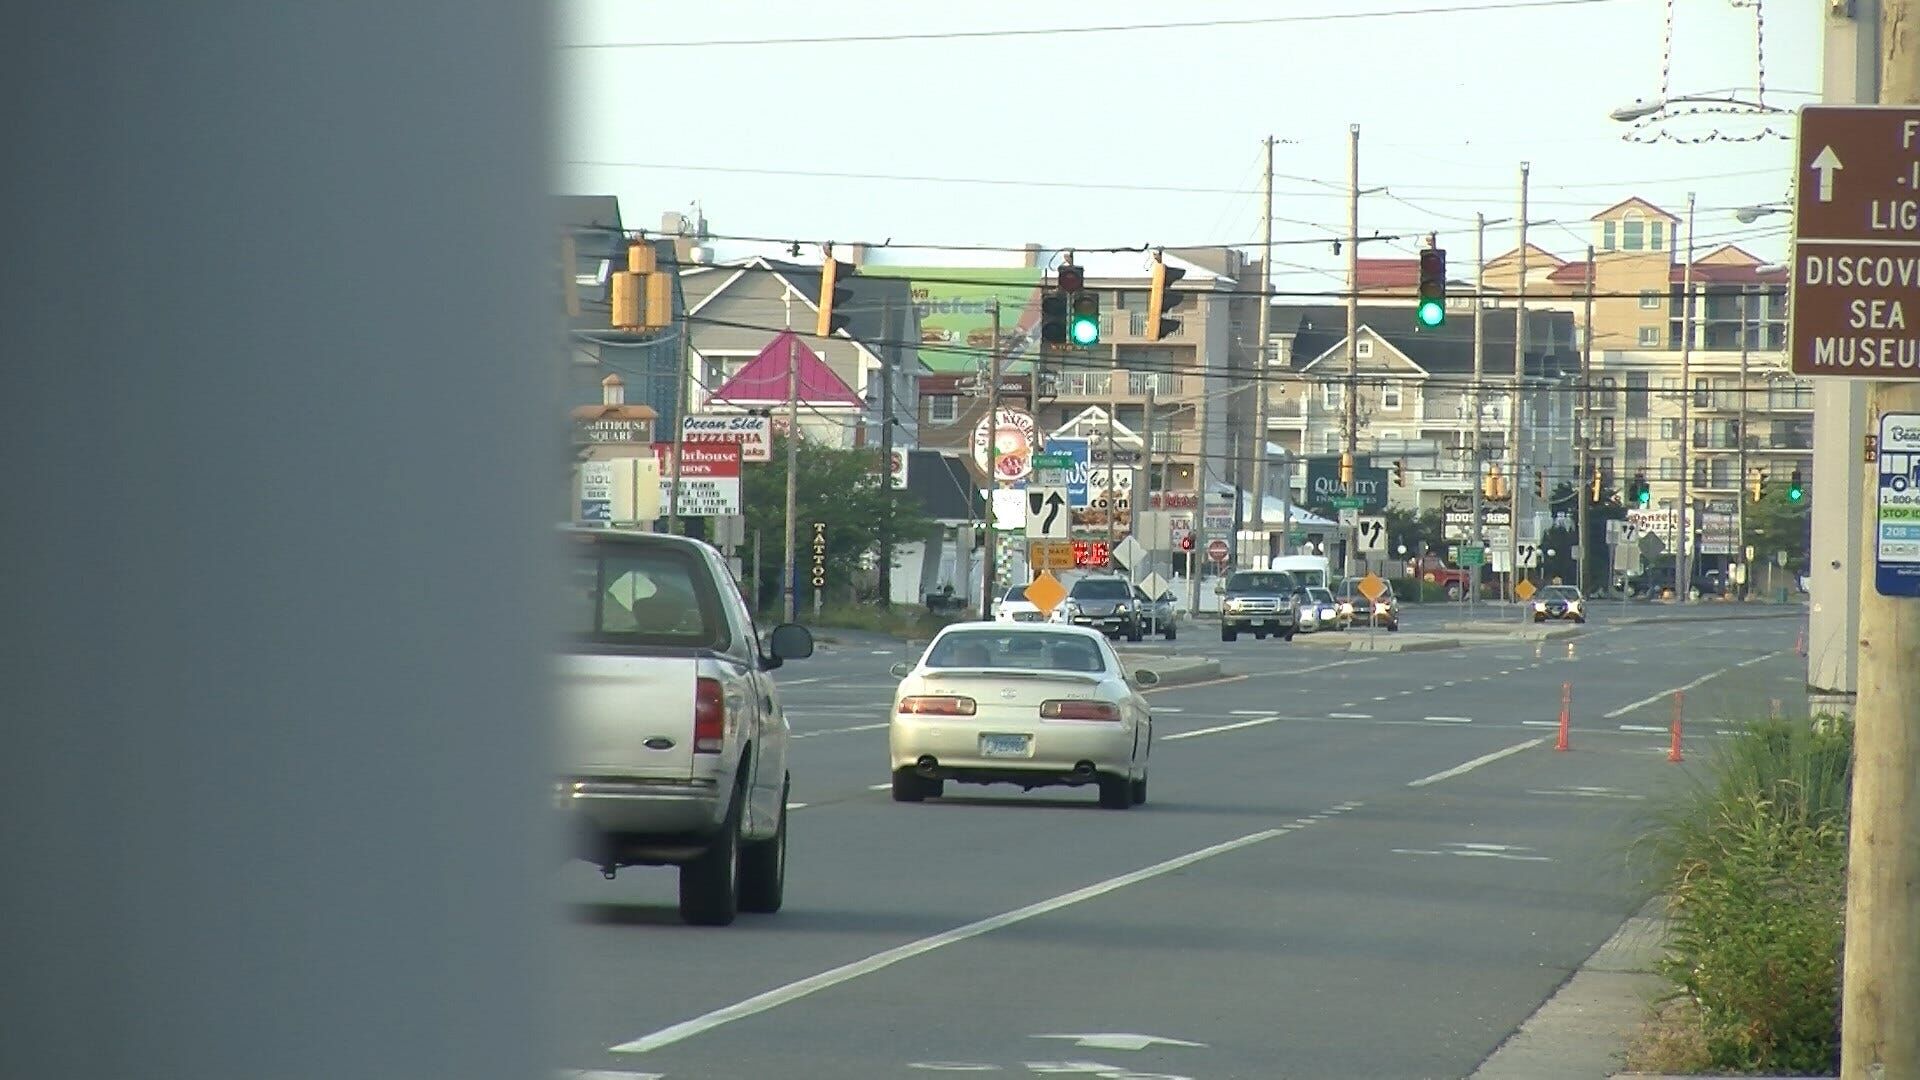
(1020, 703)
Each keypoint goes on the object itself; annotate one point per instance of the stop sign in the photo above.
(1217, 550)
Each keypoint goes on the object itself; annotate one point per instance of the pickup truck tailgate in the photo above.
(628, 716)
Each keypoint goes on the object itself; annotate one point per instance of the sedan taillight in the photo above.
(1079, 709)
(936, 705)
(709, 716)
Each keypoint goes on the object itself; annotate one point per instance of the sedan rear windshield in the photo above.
(643, 595)
(1260, 582)
(1033, 650)
(1561, 592)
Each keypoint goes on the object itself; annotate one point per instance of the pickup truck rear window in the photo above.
(634, 595)
(1260, 582)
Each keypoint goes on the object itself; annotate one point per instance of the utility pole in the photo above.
(1198, 554)
(1740, 446)
(1265, 324)
(1113, 462)
(1145, 501)
(1353, 330)
(790, 571)
(990, 559)
(1683, 559)
(1514, 486)
(1583, 435)
(888, 343)
(676, 438)
(1478, 535)
(1881, 998)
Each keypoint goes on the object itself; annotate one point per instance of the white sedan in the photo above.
(1021, 703)
(1319, 610)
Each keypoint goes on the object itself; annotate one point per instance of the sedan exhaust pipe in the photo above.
(1083, 770)
(927, 765)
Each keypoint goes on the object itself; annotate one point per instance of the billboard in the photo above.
(753, 433)
(955, 307)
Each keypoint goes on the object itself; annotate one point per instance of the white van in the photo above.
(1308, 570)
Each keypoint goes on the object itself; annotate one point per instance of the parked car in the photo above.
(1020, 703)
(1559, 602)
(1319, 610)
(1105, 603)
(1262, 601)
(1013, 606)
(1361, 611)
(674, 745)
(1162, 614)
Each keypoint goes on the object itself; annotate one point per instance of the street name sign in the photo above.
(1472, 555)
(1896, 545)
(1856, 255)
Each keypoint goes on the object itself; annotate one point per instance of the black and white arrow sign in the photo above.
(1047, 515)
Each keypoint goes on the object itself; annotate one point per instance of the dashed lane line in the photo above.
(1469, 766)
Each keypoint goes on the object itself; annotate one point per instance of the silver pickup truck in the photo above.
(674, 748)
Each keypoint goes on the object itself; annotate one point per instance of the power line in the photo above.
(1112, 28)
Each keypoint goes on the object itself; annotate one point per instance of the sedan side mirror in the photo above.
(790, 641)
(1146, 677)
(901, 670)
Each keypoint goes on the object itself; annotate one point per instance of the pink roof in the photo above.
(764, 379)
(1387, 273)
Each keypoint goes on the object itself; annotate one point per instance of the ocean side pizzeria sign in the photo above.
(754, 434)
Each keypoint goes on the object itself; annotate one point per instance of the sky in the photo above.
(1154, 137)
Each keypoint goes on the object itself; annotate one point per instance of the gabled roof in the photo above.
(1536, 256)
(1365, 333)
(1095, 415)
(870, 299)
(763, 381)
(1443, 350)
(1137, 266)
(1634, 203)
(1729, 255)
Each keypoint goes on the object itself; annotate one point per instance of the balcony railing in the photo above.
(1102, 384)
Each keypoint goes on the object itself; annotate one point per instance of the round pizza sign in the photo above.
(1013, 438)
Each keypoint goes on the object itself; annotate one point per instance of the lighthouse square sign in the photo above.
(1856, 257)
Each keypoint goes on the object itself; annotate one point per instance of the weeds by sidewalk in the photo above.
(1756, 855)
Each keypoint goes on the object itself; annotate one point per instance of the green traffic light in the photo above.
(1431, 313)
(1646, 497)
(1794, 494)
(1083, 331)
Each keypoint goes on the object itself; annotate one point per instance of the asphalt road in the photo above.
(1349, 866)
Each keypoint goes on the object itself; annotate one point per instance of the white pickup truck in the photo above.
(674, 748)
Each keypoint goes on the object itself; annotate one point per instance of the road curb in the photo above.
(1180, 671)
(1646, 620)
(1403, 645)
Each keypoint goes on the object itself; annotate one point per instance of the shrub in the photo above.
(1757, 896)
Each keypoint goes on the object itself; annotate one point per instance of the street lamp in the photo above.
(1747, 215)
(1640, 110)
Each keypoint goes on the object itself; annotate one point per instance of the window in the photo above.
(1632, 233)
(1669, 388)
(1363, 350)
(1029, 650)
(1670, 429)
(1330, 395)
(1608, 389)
(1649, 337)
(1390, 397)
(644, 594)
(942, 409)
(1330, 442)
(1669, 468)
(1650, 299)
(1607, 235)
(1790, 395)
(1606, 431)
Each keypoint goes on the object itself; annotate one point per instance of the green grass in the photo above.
(1755, 851)
(900, 620)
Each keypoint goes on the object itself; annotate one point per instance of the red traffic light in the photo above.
(1186, 542)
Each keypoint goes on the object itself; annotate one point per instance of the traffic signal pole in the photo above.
(1881, 995)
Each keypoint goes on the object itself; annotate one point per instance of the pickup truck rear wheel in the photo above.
(763, 866)
(1228, 634)
(710, 884)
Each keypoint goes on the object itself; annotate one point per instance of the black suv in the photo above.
(1105, 604)
(1263, 601)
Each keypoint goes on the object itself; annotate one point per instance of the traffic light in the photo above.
(1642, 492)
(1495, 485)
(1400, 473)
(1596, 485)
(833, 292)
(1346, 472)
(629, 289)
(1539, 484)
(1759, 484)
(1053, 317)
(1083, 320)
(1433, 287)
(1158, 300)
(1186, 542)
(1795, 492)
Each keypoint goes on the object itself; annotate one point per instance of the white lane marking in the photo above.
(1449, 682)
(1382, 697)
(1249, 712)
(1426, 689)
(839, 731)
(1465, 767)
(784, 683)
(1578, 793)
(1757, 659)
(1217, 730)
(1118, 1040)
(1349, 716)
(1665, 694)
(1195, 685)
(796, 806)
(606, 1074)
(1539, 723)
(1656, 729)
(1406, 693)
(794, 991)
(888, 786)
(953, 1066)
(1452, 719)
(1168, 709)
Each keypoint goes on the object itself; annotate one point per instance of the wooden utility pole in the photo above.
(990, 559)
(1351, 462)
(791, 571)
(1583, 437)
(888, 343)
(1265, 330)
(1516, 471)
(1880, 1036)
(1478, 532)
(1683, 565)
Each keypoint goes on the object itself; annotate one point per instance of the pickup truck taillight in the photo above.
(709, 716)
(1077, 709)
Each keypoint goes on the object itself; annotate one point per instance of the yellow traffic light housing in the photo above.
(1346, 472)
(1759, 484)
(1158, 300)
(833, 293)
(1539, 484)
(1400, 472)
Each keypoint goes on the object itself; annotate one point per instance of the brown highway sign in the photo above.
(1856, 260)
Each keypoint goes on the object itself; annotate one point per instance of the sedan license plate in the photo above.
(1006, 745)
